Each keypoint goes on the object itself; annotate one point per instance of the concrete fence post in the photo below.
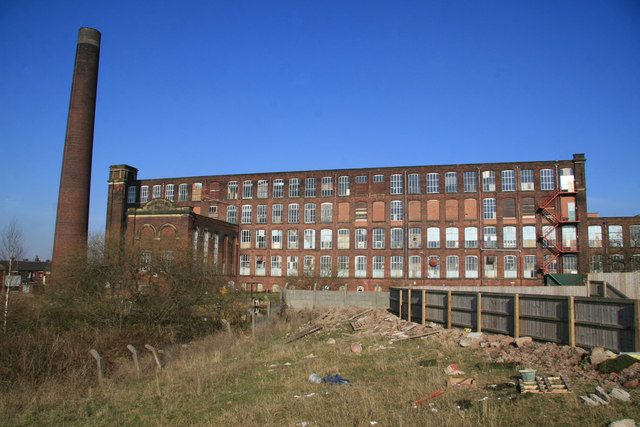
(400, 303)
(134, 355)
(449, 301)
(479, 311)
(156, 356)
(344, 295)
(315, 289)
(636, 304)
(99, 364)
(424, 306)
(409, 305)
(227, 325)
(516, 316)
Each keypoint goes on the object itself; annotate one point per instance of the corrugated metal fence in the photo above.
(582, 321)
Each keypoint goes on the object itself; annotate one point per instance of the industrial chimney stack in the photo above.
(72, 219)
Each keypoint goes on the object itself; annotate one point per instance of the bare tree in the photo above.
(12, 250)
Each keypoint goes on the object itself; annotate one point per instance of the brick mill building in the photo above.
(474, 224)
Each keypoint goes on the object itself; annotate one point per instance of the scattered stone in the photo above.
(627, 422)
(331, 341)
(597, 399)
(475, 335)
(588, 401)
(603, 394)
(453, 370)
(522, 341)
(618, 393)
(598, 355)
(631, 384)
(356, 348)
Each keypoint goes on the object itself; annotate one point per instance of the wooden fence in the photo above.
(575, 321)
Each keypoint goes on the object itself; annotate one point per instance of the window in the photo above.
(343, 266)
(278, 188)
(489, 208)
(617, 263)
(470, 182)
(569, 237)
(634, 236)
(261, 214)
(361, 238)
(508, 208)
(551, 262)
(276, 265)
(247, 190)
(510, 267)
(596, 264)
(168, 192)
(615, 236)
(196, 194)
(415, 238)
(414, 183)
(232, 213)
(310, 187)
(343, 238)
(635, 262)
(378, 178)
(245, 265)
(570, 264)
(309, 239)
(452, 266)
(361, 179)
(529, 236)
(378, 266)
(326, 213)
(261, 266)
(326, 238)
(433, 267)
(595, 236)
(294, 187)
(415, 267)
(325, 266)
(509, 239)
(246, 214)
(397, 238)
(490, 267)
(396, 266)
(526, 180)
(292, 265)
(343, 186)
(292, 239)
(131, 194)
(276, 239)
(490, 237)
(378, 238)
(277, 212)
(471, 267)
(232, 190)
(528, 207)
(261, 239)
(309, 213)
(183, 192)
(470, 237)
(488, 181)
(450, 182)
(397, 210)
(309, 265)
(145, 260)
(326, 188)
(433, 183)
(433, 237)
(396, 184)
(508, 180)
(451, 235)
(157, 191)
(294, 213)
(263, 189)
(546, 179)
(245, 239)
(361, 266)
(529, 268)
(361, 211)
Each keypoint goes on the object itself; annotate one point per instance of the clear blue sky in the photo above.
(190, 88)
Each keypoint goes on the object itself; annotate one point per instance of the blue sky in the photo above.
(196, 88)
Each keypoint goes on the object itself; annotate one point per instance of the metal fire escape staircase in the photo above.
(550, 208)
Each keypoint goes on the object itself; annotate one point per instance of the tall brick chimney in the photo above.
(72, 219)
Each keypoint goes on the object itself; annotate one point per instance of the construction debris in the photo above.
(303, 333)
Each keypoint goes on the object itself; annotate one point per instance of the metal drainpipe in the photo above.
(480, 233)
(405, 236)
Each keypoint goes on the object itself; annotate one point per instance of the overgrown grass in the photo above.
(232, 380)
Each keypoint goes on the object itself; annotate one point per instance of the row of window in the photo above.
(615, 236)
(616, 263)
(259, 239)
(432, 181)
(394, 266)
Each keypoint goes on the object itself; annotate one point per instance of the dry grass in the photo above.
(223, 380)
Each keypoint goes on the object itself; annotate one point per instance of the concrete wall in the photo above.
(531, 290)
(627, 283)
(319, 299)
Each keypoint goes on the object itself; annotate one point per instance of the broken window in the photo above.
(276, 239)
(396, 266)
(245, 265)
(509, 239)
(529, 267)
(168, 192)
(378, 238)
(292, 239)
(433, 267)
(596, 264)
(276, 265)
(309, 239)
(326, 188)
(157, 191)
(326, 238)
(292, 265)
(529, 236)
(490, 237)
(528, 207)
(615, 236)
(232, 190)
(183, 193)
(261, 239)
(488, 181)
(309, 265)
(343, 266)
(415, 238)
(595, 236)
(196, 192)
(566, 179)
(490, 267)
(343, 238)
(343, 186)
(361, 238)
(261, 266)
(263, 189)
(415, 267)
(277, 212)
(510, 267)
(326, 213)
(634, 236)
(361, 211)
(452, 266)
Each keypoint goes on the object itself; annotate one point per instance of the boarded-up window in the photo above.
(148, 233)
(470, 209)
(568, 206)
(361, 211)
(528, 206)
(214, 189)
(433, 210)
(509, 208)
(196, 193)
(343, 212)
(451, 210)
(168, 233)
(378, 211)
(414, 210)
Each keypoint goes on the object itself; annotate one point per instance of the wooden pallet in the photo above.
(545, 385)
